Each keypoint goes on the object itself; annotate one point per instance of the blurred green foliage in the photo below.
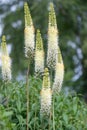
(70, 111)
(72, 25)
(5, 118)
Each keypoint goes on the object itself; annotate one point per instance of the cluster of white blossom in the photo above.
(6, 62)
(29, 41)
(29, 33)
(39, 54)
(52, 52)
(59, 75)
(46, 94)
(46, 99)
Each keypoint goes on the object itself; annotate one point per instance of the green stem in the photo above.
(27, 94)
(6, 93)
(53, 114)
(49, 120)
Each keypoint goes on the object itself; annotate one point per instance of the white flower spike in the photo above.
(29, 33)
(52, 53)
(6, 62)
(39, 54)
(59, 74)
(46, 95)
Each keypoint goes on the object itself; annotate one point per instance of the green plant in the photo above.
(5, 118)
(70, 111)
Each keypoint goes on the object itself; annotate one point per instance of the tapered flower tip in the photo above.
(28, 19)
(46, 72)
(46, 79)
(3, 38)
(3, 46)
(60, 60)
(52, 15)
(39, 44)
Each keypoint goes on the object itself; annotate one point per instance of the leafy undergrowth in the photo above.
(70, 111)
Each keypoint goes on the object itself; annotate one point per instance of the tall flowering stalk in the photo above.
(6, 62)
(46, 94)
(59, 73)
(29, 33)
(39, 54)
(52, 52)
(29, 50)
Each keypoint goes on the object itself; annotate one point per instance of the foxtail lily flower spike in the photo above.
(52, 52)
(46, 94)
(59, 73)
(6, 62)
(39, 54)
(29, 33)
